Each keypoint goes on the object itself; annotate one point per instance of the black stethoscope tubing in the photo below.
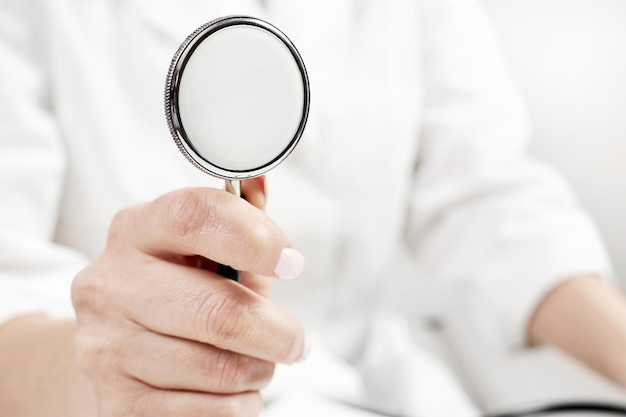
(539, 411)
(573, 407)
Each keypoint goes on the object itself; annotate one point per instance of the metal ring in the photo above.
(172, 86)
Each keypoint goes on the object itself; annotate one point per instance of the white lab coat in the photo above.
(409, 193)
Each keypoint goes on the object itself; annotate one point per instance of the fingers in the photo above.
(214, 224)
(160, 333)
(210, 309)
(193, 366)
(195, 304)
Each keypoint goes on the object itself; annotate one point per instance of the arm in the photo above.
(40, 375)
(487, 219)
(585, 317)
(157, 331)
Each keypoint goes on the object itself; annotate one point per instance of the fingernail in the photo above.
(306, 352)
(290, 264)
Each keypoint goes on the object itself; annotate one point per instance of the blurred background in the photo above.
(569, 59)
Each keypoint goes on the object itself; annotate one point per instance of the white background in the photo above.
(569, 59)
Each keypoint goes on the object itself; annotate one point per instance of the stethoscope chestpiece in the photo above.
(237, 97)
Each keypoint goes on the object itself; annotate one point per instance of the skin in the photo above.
(152, 298)
(585, 317)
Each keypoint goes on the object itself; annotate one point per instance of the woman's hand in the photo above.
(160, 333)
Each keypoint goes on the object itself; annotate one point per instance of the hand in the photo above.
(160, 333)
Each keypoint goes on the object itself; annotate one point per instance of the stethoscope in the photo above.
(558, 409)
(236, 100)
(600, 409)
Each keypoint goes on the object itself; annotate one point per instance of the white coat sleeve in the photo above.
(484, 216)
(35, 272)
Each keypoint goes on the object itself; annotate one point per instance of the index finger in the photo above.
(217, 225)
(195, 304)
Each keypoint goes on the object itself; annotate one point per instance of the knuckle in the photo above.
(86, 291)
(95, 290)
(96, 355)
(218, 319)
(120, 225)
(188, 213)
(237, 373)
(84, 350)
(97, 339)
(230, 372)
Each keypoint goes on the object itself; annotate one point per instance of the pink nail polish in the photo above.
(290, 264)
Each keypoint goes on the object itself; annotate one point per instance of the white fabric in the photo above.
(410, 190)
(389, 375)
